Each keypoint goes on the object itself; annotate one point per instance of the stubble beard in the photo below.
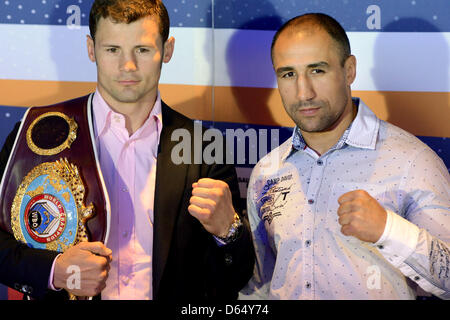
(318, 123)
(126, 97)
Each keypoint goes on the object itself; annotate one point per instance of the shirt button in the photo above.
(125, 234)
(228, 259)
(308, 285)
(307, 243)
(416, 278)
(311, 201)
(125, 189)
(319, 162)
(380, 247)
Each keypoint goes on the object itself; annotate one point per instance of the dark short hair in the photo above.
(128, 11)
(323, 21)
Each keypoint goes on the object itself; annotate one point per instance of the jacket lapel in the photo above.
(169, 188)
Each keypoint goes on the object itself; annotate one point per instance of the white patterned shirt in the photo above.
(292, 207)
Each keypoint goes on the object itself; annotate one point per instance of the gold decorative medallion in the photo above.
(48, 211)
(51, 133)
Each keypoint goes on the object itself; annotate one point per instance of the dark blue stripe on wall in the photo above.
(441, 146)
(3, 292)
(354, 15)
(50, 12)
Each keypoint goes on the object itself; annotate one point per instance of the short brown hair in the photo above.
(323, 21)
(128, 11)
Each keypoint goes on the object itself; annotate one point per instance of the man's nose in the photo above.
(129, 63)
(305, 88)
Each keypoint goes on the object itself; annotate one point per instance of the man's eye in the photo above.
(315, 71)
(287, 74)
(112, 50)
(142, 50)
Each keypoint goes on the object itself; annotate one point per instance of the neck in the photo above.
(135, 113)
(322, 141)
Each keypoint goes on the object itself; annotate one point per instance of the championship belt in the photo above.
(52, 192)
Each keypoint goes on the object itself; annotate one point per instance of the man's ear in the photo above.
(90, 48)
(169, 46)
(350, 69)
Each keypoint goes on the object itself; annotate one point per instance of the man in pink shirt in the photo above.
(176, 231)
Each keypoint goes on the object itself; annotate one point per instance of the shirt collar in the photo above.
(361, 133)
(154, 116)
(364, 129)
(102, 114)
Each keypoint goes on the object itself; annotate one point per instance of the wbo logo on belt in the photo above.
(42, 221)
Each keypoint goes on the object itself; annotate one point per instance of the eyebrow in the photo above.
(106, 45)
(309, 66)
(318, 64)
(284, 69)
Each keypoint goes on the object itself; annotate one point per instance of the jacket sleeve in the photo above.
(22, 268)
(235, 260)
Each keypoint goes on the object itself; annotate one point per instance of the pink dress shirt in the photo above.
(128, 165)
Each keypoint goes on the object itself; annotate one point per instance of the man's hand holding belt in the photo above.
(92, 259)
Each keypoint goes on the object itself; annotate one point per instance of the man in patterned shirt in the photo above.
(351, 207)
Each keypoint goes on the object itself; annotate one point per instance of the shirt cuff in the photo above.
(52, 273)
(399, 239)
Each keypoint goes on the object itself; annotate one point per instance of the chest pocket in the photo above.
(332, 224)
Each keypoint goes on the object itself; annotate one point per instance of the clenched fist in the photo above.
(361, 216)
(92, 260)
(211, 204)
